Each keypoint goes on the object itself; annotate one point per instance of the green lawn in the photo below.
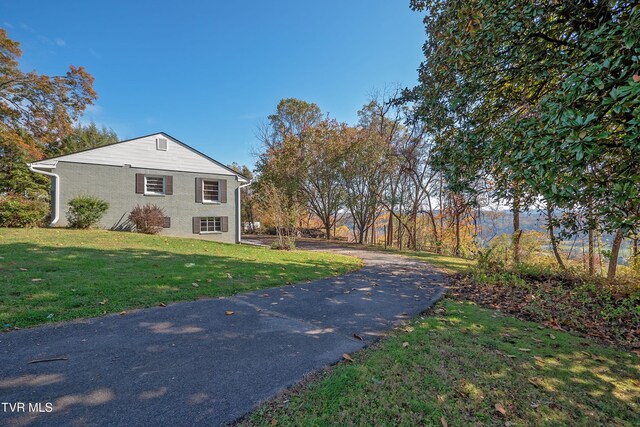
(49, 275)
(457, 365)
(454, 365)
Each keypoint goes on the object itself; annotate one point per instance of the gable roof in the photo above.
(141, 153)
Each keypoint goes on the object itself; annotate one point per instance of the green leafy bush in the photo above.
(86, 211)
(148, 219)
(19, 211)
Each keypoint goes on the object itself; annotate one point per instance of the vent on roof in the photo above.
(161, 144)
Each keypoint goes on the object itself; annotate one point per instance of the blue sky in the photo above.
(209, 72)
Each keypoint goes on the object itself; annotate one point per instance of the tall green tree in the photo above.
(84, 137)
(540, 98)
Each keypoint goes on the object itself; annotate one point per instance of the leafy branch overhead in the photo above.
(542, 99)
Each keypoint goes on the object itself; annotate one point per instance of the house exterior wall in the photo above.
(117, 185)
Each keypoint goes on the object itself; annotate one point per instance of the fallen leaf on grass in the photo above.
(553, 337)
(532, 382)
(229, 313)
(104, 301)
(274, 422)
(162, 304)
(23, 269)
(195, 285)
(122, 313)
(405, 344)
(229, 276)
(36, 280)
(526, 350)
(444, 422)
(346, 357)
(501, 409)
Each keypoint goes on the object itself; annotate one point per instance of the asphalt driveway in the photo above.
(195, 363)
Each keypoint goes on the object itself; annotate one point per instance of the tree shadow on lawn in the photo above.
(538, 375)
(44, 283)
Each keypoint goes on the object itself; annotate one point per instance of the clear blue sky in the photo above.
(209, 72)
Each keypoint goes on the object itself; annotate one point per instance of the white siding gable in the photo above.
(143, 153)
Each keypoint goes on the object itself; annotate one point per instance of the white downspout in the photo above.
(239, 213)
(56, 202)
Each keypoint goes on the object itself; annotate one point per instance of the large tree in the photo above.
(540, 98)
(36, 113)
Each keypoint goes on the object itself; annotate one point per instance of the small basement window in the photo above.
(210, 191)
(211, 224)
(154, 185)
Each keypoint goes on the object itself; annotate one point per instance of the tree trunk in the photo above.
(591, 253)
(517, 232)
(554, 243)
(615, 250)
(389, 234)
(327, 228)
(457, 248)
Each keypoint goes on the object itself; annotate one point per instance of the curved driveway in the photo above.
(190, 364)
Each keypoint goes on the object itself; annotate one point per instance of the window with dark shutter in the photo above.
(154, 185)
(167, 222)
(210, 190)
(212, 224)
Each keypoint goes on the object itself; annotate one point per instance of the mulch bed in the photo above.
(558, 305)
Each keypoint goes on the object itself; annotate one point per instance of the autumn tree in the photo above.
(36, 113)
(322, 160)
(366, 166)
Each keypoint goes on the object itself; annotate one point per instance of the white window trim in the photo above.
(210, 202)
(211, 232)
(164, 186)
(166, 144)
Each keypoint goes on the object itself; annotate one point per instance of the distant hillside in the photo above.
(495, 223)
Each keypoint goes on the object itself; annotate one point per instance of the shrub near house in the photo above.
(86, 211)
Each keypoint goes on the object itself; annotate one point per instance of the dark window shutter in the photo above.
(196, 225)
(225, 223)
(167, 222)
(168, 185)
(198, 190)
(139, 183)
(222, 188)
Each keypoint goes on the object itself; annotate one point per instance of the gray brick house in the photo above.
(200, 196)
